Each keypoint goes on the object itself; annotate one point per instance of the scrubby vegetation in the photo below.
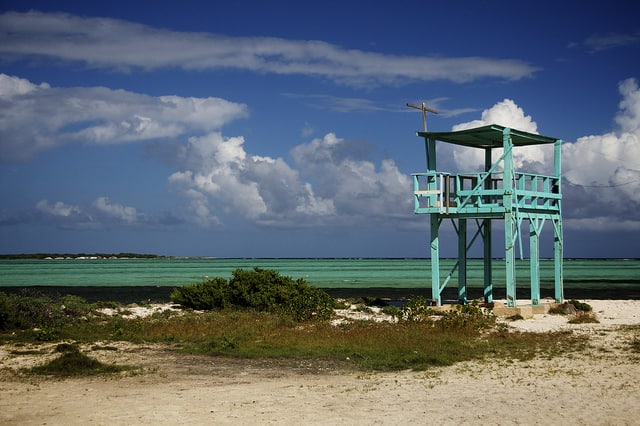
(72, 362)
(580, 312)
(261, 314)
(260, 289)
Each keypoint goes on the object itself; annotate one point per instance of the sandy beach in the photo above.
(596, 387)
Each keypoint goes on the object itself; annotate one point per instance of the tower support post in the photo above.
(435, 260)
(462, 260)
(534, 257)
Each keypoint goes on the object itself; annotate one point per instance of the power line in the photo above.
(602, 186)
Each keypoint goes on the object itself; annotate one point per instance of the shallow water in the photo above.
(324, 273)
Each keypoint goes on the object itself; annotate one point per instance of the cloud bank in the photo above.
(330, 182)
(601, 172)
(122, 45)
(34, 118)
(327, 182)
(219, 176)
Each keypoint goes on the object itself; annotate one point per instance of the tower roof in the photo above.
(488, 137)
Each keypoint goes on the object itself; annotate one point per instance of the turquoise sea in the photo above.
(381, 277)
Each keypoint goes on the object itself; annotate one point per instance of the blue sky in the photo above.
(280, 129)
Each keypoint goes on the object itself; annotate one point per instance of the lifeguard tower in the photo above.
(498, 192)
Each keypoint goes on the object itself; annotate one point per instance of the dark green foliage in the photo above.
(4, 311)
(467, 316)
(416, 309)
(572, 307)
(75, 306)
(580, 306)
(67, 347)
(34, 310)
(260, 289)
(30, 309)
(472, 315)
(204, 296)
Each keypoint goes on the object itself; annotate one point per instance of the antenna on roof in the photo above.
(424, 110)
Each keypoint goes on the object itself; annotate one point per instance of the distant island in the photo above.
(80, 256)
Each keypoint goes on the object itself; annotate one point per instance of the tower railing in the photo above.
(483, 192)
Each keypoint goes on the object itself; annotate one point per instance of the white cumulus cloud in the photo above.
(605, 169)
(505, 113)
(101, 213)
(601, 172)
(330, 185)
(116, 211)
(34, 118)
(58, 208)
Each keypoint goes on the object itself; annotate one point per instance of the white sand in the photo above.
(598, 387)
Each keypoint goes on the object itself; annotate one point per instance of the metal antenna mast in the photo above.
(424, 110)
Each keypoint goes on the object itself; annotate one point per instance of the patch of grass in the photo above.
(67, 347)
(28, 352)
(571, 307)
(393, 311)
(415, 345)
(633, 343)
(583, 317)
(104, 348)
(419, 340)
(72, 362)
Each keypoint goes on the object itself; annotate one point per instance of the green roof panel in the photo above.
(488, 137)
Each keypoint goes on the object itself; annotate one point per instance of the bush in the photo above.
(416, 308)
(30, 309)
(5, 306)
(76, 306)
(581, 306)
(213, 293)
(467, 316)
(260, 289)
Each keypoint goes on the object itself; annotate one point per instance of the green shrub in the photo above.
(393, 311)
(5, 310)
(580, 306)
(30, 311)
(260, 289)
(76, 306)
(207, 295)
(467, 316)
(416, 309)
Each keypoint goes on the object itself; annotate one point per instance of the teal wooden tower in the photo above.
(498, 192)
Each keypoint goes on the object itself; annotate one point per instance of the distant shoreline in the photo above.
(79, 256)
(161, 294)
(101, 256)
